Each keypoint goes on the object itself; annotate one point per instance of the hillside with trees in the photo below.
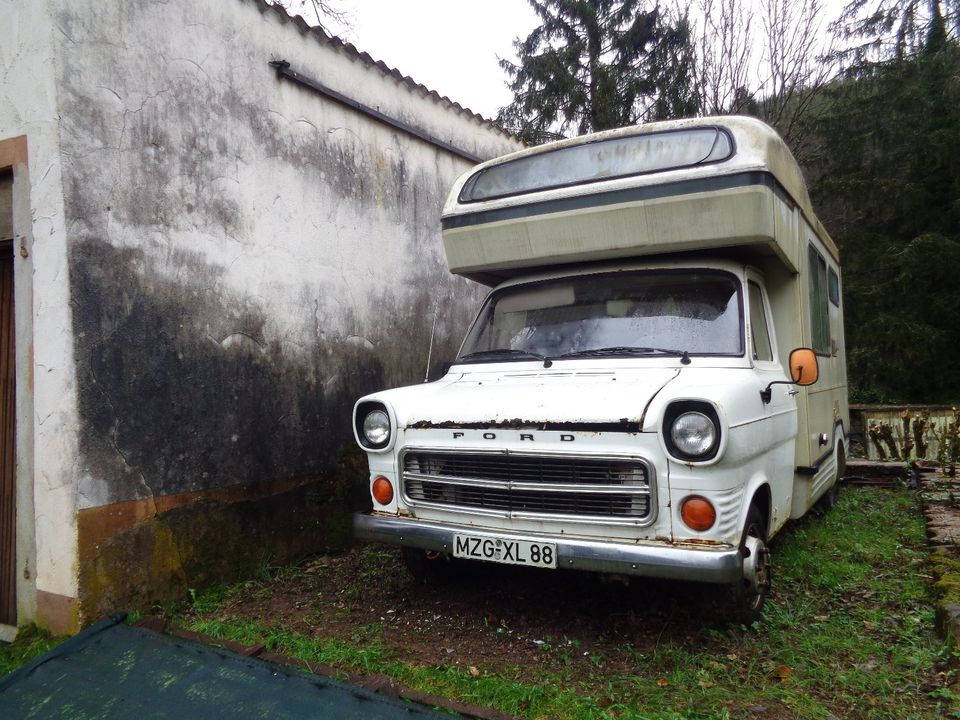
(870, 106)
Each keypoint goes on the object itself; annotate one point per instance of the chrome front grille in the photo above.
(530, 485)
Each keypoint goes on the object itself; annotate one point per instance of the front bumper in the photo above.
(722, 564)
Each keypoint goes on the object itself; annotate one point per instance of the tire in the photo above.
(429, 568)
(745, 598)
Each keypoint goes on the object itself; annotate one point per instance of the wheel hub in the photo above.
(756, 564)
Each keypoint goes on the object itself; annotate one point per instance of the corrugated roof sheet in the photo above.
(351, 50)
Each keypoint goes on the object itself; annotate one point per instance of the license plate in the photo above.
(504, 550)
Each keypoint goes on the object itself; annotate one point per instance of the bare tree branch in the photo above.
(724, 55)
(322, 10)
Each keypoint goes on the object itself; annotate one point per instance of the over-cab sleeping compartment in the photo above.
(688, 185)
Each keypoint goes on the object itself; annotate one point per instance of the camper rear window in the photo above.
(602, 160)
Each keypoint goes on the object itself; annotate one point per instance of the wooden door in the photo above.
(8, 490)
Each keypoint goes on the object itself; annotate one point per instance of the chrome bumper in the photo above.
(674, 562)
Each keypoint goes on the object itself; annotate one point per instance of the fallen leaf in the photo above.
(473, 671)
(783, 672)
(705, 684)
(663, 682)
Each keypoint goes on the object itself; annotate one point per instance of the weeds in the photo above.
(30, 642)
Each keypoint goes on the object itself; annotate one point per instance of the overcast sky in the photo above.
(450, 46)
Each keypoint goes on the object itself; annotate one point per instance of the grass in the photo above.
(30, 643)
(848, 634)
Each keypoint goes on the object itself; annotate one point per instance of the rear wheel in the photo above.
(428, 567)
(746, 596)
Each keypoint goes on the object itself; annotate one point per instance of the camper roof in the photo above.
(674, 158)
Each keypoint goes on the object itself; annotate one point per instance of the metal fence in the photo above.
(896, 432)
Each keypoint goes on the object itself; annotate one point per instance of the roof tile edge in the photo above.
(351, 50)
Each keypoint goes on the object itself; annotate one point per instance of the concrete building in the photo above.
(219, 228)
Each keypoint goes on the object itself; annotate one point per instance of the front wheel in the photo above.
(746, 596)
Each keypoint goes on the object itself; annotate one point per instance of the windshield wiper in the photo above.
(628, 350)
(507, 352)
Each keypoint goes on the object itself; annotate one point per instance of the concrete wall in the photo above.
(244, 259)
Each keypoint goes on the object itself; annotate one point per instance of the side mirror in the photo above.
(804, 370)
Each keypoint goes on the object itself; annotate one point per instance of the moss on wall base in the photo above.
(141, 553)
(946, 568)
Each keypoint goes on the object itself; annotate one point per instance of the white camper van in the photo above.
(656, 382)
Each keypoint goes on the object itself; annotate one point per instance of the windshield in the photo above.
(694, 312)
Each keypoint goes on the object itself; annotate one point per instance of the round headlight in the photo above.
(693, 434)
(376, 427)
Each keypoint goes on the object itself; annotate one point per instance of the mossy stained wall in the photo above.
(246, 259)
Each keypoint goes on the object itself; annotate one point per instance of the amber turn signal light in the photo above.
(382, 490)
(698, 513)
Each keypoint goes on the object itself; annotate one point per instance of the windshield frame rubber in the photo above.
(738, 282)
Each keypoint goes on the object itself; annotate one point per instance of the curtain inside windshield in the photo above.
(694, 312)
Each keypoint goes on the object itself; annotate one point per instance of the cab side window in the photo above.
(760, 332)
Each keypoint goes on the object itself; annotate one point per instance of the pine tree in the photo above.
(887, 181)
(894, 29)
(598, 64)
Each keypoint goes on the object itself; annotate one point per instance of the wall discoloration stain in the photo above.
(171, 403)
(158, 558)
(222, 264)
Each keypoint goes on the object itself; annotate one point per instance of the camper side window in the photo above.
(834, 288)
(759, 332)
(819, 304)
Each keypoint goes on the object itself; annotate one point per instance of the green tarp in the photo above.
(113, 670)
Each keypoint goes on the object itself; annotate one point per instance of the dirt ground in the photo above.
(491, 615)
(613, 638)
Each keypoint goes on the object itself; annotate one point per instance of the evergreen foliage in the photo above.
(887, 185)
(599, 64)
(877, 30)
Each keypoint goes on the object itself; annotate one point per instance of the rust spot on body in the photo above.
(702, 542)
(623, 425)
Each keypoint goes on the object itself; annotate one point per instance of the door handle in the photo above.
(793, 392)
